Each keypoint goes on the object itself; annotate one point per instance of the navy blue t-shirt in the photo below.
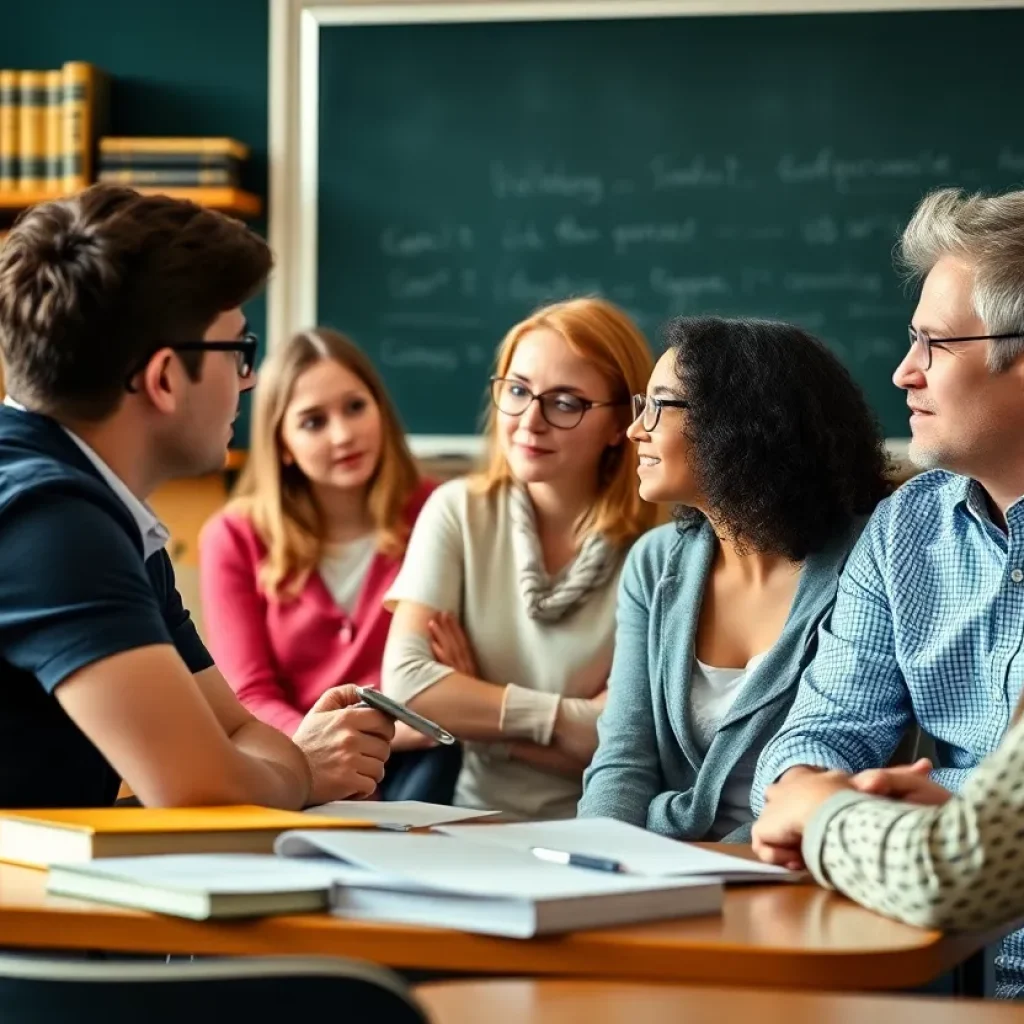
(74, 588)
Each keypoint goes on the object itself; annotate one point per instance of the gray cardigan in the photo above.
(647, 770)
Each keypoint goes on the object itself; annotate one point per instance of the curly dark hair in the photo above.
(783, 443)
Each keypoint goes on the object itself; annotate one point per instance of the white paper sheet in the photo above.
(639, 851)
(398, 813)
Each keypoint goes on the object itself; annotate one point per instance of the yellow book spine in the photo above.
(54, 129)
(10, 104)
(32, 136)
(79, 123)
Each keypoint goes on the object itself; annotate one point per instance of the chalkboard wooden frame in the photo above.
(294, 71)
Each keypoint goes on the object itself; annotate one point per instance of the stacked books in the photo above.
(49, 124)
(485, 878)
(172, 162)
(403, 878)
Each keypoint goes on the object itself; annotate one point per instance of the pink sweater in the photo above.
(280, 656)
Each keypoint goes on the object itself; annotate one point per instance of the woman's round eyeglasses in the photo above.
(648, 410)
(561, 409)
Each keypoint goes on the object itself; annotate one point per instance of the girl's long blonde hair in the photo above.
(277, 498)
(604, 335)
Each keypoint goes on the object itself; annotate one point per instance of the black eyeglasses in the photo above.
(927, 342)
(648, 410)
(559, 408)
(244, 348)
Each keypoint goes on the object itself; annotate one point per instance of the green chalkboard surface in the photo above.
(753, 165)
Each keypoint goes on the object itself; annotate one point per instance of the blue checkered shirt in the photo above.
(928, 625)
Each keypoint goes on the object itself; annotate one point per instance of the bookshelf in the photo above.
(234, 201)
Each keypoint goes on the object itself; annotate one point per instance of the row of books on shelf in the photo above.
(49, 123)
(172, 162)
(53, 140)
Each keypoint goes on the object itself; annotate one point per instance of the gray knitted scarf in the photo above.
(549, 599)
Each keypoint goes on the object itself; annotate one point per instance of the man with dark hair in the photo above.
(125, 350)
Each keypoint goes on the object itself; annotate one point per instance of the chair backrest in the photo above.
(225, 991)
(907, 750)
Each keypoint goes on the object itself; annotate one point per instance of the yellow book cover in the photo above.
(38, 838)
(54, 146)
(32, 132)
(198, 146)
(83, 119)
(10, 104)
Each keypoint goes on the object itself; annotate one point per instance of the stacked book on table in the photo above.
(172, 162)
(486, 878)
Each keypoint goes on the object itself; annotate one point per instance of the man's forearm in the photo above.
(281, 767)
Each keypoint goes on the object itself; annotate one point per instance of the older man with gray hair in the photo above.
(928, 626)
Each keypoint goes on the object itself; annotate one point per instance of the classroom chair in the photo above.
(249, 990)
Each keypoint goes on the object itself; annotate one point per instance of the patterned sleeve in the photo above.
(959, 866)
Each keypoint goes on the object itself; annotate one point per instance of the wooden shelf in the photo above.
(227, 200)
(236, 458)
(15, 200)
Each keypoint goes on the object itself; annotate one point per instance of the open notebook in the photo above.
(640, 852)
(454, 882)
(409, 878)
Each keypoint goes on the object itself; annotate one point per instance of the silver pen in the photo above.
(399, 712)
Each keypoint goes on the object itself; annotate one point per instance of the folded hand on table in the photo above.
(789, 805)
(792, 801)
(908, 782)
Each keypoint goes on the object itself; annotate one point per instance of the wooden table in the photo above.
(792, 936)
(567, 1002)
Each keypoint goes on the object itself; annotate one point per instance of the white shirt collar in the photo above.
(154, 534)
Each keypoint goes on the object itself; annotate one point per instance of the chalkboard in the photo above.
(755, 165)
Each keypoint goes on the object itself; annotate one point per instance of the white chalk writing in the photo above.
(419, 357)
(842, 173)
(626, 236)
(538, 179)
(698, 172)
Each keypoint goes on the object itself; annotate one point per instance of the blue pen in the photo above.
(576, 860)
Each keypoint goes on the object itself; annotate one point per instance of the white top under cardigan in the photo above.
(713, 691)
